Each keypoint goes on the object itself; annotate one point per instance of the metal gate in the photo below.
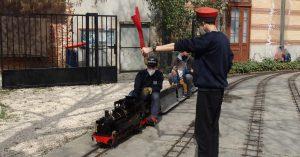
(58, 49)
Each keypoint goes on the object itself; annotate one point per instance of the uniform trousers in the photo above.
(208, 111)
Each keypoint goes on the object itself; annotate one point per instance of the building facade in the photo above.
(129, 57)
(254, 28)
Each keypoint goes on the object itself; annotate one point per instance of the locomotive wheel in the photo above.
(114, 141)
(94, 141)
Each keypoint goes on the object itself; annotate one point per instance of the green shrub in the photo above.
(2, 111)
(265, 65)
(254, 66)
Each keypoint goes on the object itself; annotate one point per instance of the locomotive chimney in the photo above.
(106, 113)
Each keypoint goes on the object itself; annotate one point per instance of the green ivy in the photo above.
(170, 17)
(221, 5)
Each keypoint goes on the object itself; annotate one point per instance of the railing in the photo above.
(57, 41)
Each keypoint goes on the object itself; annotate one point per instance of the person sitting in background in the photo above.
(147, 83)
(286, 55)
(182, 72)
(278, 54)
(175, 79)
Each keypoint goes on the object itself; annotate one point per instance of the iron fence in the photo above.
(58, 41)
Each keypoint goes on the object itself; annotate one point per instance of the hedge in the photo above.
(265, 65)
(254, 66)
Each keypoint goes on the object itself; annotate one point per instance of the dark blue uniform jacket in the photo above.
(213, 59)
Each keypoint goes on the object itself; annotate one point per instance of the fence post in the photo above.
(1, 46)
(96, 31)
(116, 41)
(87, 39)
(98, 77)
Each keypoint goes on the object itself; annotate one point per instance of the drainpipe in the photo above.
(282, 22)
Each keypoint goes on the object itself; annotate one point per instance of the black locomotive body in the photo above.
(129, 115)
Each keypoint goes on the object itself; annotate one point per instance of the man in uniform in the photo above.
(213, 60)
(148, 82)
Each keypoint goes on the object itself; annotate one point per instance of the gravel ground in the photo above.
(41, 119)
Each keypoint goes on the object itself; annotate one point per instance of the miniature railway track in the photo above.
(237, 82)
(182, 143)
(294, 91)
(102, 152)
(254, 142)
(96, 152)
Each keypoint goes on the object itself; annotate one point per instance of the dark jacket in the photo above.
(212, 59)
(143, 79)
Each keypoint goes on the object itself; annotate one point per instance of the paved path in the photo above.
(151, 142)
(282, 122)
(280, 127)
(234, 117)
(159, 139)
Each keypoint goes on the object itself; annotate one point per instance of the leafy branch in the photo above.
(33, 6)
(172, 18)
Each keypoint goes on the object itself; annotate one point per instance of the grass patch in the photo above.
(5, 91)
(42, 89)
(3, 110)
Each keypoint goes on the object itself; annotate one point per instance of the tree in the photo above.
(221, 5)
(32, 6)
(172, 18)
(95, 1)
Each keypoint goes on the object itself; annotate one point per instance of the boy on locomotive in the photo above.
(148, 82)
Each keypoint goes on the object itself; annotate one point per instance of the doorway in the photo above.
(238, 28)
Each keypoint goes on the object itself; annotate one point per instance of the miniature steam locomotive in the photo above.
(129, 115)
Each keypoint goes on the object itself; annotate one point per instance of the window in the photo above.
(238, 28)
(245, 27)
(106, 37)
(235, 19)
